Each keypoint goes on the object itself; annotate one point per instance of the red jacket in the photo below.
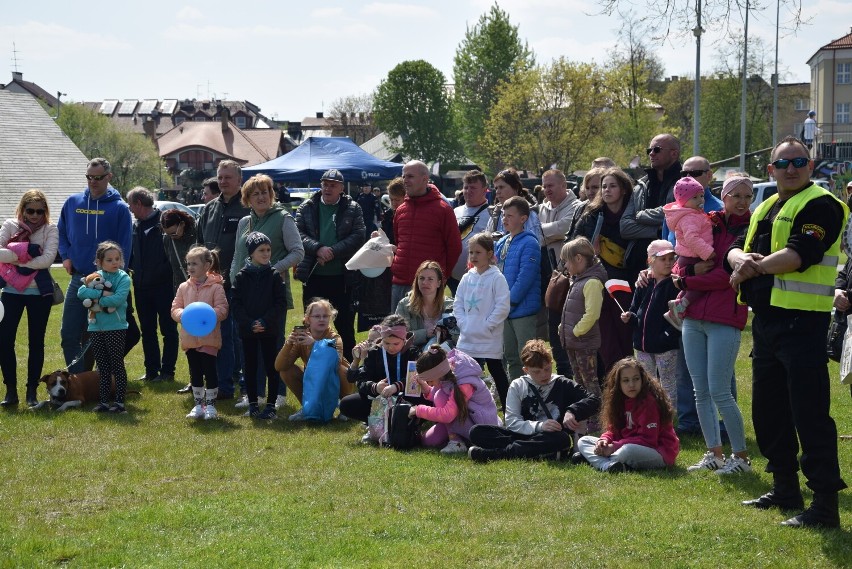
(425, 229)
(643, 428)
(719, 301)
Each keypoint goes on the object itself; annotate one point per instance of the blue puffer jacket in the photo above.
(521, 266)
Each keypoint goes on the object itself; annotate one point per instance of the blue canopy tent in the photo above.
(315, 155)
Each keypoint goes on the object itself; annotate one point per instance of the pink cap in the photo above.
(660, 247)
(685, 189)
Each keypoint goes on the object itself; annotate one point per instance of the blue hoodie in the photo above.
(84, 223)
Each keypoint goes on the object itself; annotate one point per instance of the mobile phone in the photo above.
(300, 329)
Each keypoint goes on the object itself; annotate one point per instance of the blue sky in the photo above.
(294, 58)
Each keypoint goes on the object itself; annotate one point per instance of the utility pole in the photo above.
(696, 113)
(745, 93)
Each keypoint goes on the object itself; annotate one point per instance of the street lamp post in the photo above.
(696, 113)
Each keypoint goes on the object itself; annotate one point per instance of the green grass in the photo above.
(151, 489)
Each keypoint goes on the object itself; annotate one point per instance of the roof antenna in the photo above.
(15, 57)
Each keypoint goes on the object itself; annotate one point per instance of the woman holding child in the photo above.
(711, 333)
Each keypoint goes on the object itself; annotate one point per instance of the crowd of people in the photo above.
(637, 291)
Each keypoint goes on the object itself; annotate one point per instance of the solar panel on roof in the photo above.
(128, 106)
(108, 106)
(147, 106)
(167, 107)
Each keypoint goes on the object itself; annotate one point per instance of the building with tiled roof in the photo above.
(18, 85)
(35, 153)
(831, 97)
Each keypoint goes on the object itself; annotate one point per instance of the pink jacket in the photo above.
(211, 292)
(643, 428)
(692, 229)
(719, 304)
(9, 272)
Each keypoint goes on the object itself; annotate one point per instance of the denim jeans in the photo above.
(687, 415)
(74, 323)
(635, 456)
(711, 352)
(225, 357)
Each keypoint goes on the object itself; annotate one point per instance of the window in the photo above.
(196, 159)
(801, 105)
(842, 113)
(200, 118)
(844, 73)
(240, 121)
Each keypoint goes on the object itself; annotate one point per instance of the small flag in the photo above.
(617, 285)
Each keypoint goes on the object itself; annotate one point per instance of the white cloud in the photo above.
(327, 13)
(43, 41)
(394, 10)
(189, 13)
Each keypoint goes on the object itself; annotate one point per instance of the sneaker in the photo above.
(673, 316)
(708, 462)
(578, 458)
(242, 403)
(479, 454)
(210, 412)
(735, 465)
(268, 413)
(280, 401)
(101, 408)
(342, 417)
(253, 411)
(454, 447)
(185, 389)
(297, 416)
(118, 409)
(196, 413)
(616, 468)
(164, 377)
(367, 439)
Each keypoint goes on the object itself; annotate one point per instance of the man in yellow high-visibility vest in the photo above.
(785, 267)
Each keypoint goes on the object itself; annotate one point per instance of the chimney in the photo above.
(225, 117)
(17, 76)
(319, 115)
(150, 128)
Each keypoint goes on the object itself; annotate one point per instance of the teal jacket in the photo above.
(120, 289)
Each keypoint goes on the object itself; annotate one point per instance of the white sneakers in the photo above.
(243, 403)
(280, 401)
(735, 465)
(210, 412)
(196, 413)
(297, 416)
(454, 447)
(708, 462)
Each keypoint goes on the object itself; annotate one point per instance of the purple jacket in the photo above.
(719, 303)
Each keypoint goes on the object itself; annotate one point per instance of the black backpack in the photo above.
(403, 431)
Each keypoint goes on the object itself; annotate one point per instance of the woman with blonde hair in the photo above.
(28, 246)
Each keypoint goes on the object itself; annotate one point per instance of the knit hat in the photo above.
(733, 182)
(660, 247)
(254, 240)
(686, 189)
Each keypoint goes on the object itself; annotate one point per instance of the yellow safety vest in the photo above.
(812, 289)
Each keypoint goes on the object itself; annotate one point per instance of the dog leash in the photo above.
(79, 356)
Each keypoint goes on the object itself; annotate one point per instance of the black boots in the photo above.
(32, 400)
(785, 494)
(11, 399)
(822, 513)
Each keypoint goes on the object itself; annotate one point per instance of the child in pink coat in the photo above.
(451, 381)
(694, 237)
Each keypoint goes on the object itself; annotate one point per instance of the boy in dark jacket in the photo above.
(260, 298)
(542, 412)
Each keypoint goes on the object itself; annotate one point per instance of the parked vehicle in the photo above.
(764, 190)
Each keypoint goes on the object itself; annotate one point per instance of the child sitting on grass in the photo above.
(204, 285)
(461, 399)
(638, 416)
(542, 411)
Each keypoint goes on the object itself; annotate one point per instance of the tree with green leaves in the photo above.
(490, 53)
(547, 115)
(134, 158)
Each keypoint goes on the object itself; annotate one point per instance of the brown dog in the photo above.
(68, 390)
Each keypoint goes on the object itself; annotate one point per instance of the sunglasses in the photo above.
(96, 178)
(31, 211)
(655, 150)
(693, 173)
(783, 163)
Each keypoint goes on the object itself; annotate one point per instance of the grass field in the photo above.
(152, 489)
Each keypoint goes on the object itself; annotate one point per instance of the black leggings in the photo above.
(38, 312)
(268, 352)
(498, 372)
(516, 445)
(202, 366)
(108, 348)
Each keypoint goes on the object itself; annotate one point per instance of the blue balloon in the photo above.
(198, 319)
